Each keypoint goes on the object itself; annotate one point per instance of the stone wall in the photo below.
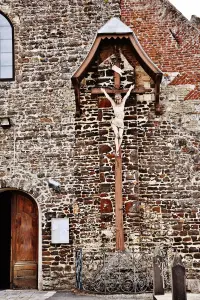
(168, 144)
(160, 152)
(51, 40)
(160, 169)
(96, 159)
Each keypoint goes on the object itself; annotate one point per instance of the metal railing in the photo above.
(117, 272)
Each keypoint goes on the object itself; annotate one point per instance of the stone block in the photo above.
(193, 285)
(106, 206)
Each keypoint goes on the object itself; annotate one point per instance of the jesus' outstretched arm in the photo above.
(108, 97)
(128, 94)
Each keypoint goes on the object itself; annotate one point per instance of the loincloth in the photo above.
(119, 123)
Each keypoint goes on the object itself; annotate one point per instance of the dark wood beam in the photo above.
(139, 90)
(117, 79)
(157, 95)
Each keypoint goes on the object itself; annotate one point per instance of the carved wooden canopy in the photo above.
(116, 33)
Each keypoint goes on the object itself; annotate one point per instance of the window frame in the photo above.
(13, 50)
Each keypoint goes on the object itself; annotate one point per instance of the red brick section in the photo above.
(193, 95)
(170, 40)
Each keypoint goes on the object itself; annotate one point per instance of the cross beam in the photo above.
(139, 90)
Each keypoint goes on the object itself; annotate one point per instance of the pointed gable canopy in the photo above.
(114, 26)
(116, 29)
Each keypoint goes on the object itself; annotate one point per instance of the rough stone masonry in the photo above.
(161, 159)
(51, 39)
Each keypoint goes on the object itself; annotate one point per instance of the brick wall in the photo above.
(171, 41)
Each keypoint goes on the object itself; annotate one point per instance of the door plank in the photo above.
(24, 242)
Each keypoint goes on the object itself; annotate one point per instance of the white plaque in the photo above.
(60, 230)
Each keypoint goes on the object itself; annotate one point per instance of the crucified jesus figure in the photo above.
(117, 123)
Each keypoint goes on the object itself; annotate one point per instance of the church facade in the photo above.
(58, 176)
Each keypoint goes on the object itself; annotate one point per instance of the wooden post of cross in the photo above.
(118, 187)
(118, 177)
(118, 163)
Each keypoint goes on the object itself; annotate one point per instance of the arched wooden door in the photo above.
(24, 242)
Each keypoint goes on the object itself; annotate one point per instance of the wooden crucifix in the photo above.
(118, 185)
(117, 124)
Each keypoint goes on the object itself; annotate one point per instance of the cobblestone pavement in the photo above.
(25, 295)
(52, 295)
(168, 296)
(68, 296)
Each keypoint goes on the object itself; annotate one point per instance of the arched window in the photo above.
(6, 49)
